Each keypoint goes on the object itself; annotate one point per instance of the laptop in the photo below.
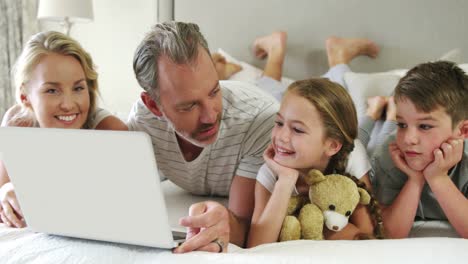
(92, 184)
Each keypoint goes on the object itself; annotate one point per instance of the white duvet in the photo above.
(20, 246)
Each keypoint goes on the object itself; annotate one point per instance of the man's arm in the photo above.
(241, 206)
(209, 221)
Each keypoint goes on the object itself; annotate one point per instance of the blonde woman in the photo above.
(56, 87)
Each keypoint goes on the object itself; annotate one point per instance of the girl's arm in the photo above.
(269, 211)
(360, 222)
(361, 217)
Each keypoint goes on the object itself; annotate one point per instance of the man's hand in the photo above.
(207, 228)
(10, 211)
(445, 157)
(400, 163)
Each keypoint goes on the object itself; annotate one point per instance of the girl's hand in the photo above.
(284, 173)
(10, 211)
(445, 157)
(400, 162)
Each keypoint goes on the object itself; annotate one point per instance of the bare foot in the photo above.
(391, 109)
(343, 50)
(376, 106)
(269, 44)
(224, 68)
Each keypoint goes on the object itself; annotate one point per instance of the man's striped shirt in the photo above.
(247, 120)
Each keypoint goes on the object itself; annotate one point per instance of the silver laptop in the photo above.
(100, 185)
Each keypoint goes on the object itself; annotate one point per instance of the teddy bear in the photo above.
(333, 199)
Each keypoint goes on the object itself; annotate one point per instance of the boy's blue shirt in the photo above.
(388, 181)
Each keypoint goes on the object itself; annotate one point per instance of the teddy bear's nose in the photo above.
(335, 228)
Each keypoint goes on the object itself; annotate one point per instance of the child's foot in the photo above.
(273, 43)
(224, 68)
(376, 106)
(343, 50)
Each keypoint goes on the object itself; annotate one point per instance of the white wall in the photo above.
(111, 39)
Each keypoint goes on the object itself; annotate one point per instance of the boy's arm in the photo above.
(453, 203)
(451, 200)
(398, 213)
(398, 217)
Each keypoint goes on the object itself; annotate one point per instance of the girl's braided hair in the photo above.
(338, 115)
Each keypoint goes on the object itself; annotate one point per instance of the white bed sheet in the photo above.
(23, 246)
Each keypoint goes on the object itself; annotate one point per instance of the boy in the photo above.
(428, 177)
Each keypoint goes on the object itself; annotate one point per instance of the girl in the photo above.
(56, 87)
(315, 129)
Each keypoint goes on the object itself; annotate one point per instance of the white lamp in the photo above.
(66, 11)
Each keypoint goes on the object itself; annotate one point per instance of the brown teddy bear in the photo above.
(333, 199)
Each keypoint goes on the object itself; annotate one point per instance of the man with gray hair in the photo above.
(208, 136)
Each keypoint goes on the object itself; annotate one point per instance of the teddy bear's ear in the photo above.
(364, 197)
(314, 177)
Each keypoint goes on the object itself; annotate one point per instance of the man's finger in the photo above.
(195, 209)
(206, 219)
(201, 239)
(212, 247)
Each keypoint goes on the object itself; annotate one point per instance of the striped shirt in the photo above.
(247, 120)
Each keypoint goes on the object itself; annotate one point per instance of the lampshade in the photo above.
(71, 10)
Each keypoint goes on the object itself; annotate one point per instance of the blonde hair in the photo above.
(42, 44)
(337, 113)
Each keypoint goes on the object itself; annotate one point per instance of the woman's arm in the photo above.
(10, 118)
(111, 123)
(10, 211)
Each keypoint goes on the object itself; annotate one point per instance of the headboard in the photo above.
(408, 32)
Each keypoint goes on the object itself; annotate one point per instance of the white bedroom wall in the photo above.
(112, 38)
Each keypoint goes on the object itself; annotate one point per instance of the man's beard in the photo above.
(190, 138)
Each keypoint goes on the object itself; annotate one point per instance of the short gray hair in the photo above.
(177, 40)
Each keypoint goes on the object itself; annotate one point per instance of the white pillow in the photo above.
(249, 73)
(364, 85)
(464, 67)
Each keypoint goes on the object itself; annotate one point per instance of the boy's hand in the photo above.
(400, 162)
(445, 157)
(284, 173)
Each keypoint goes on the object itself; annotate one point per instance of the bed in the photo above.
(20, 246)
(402, 29)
